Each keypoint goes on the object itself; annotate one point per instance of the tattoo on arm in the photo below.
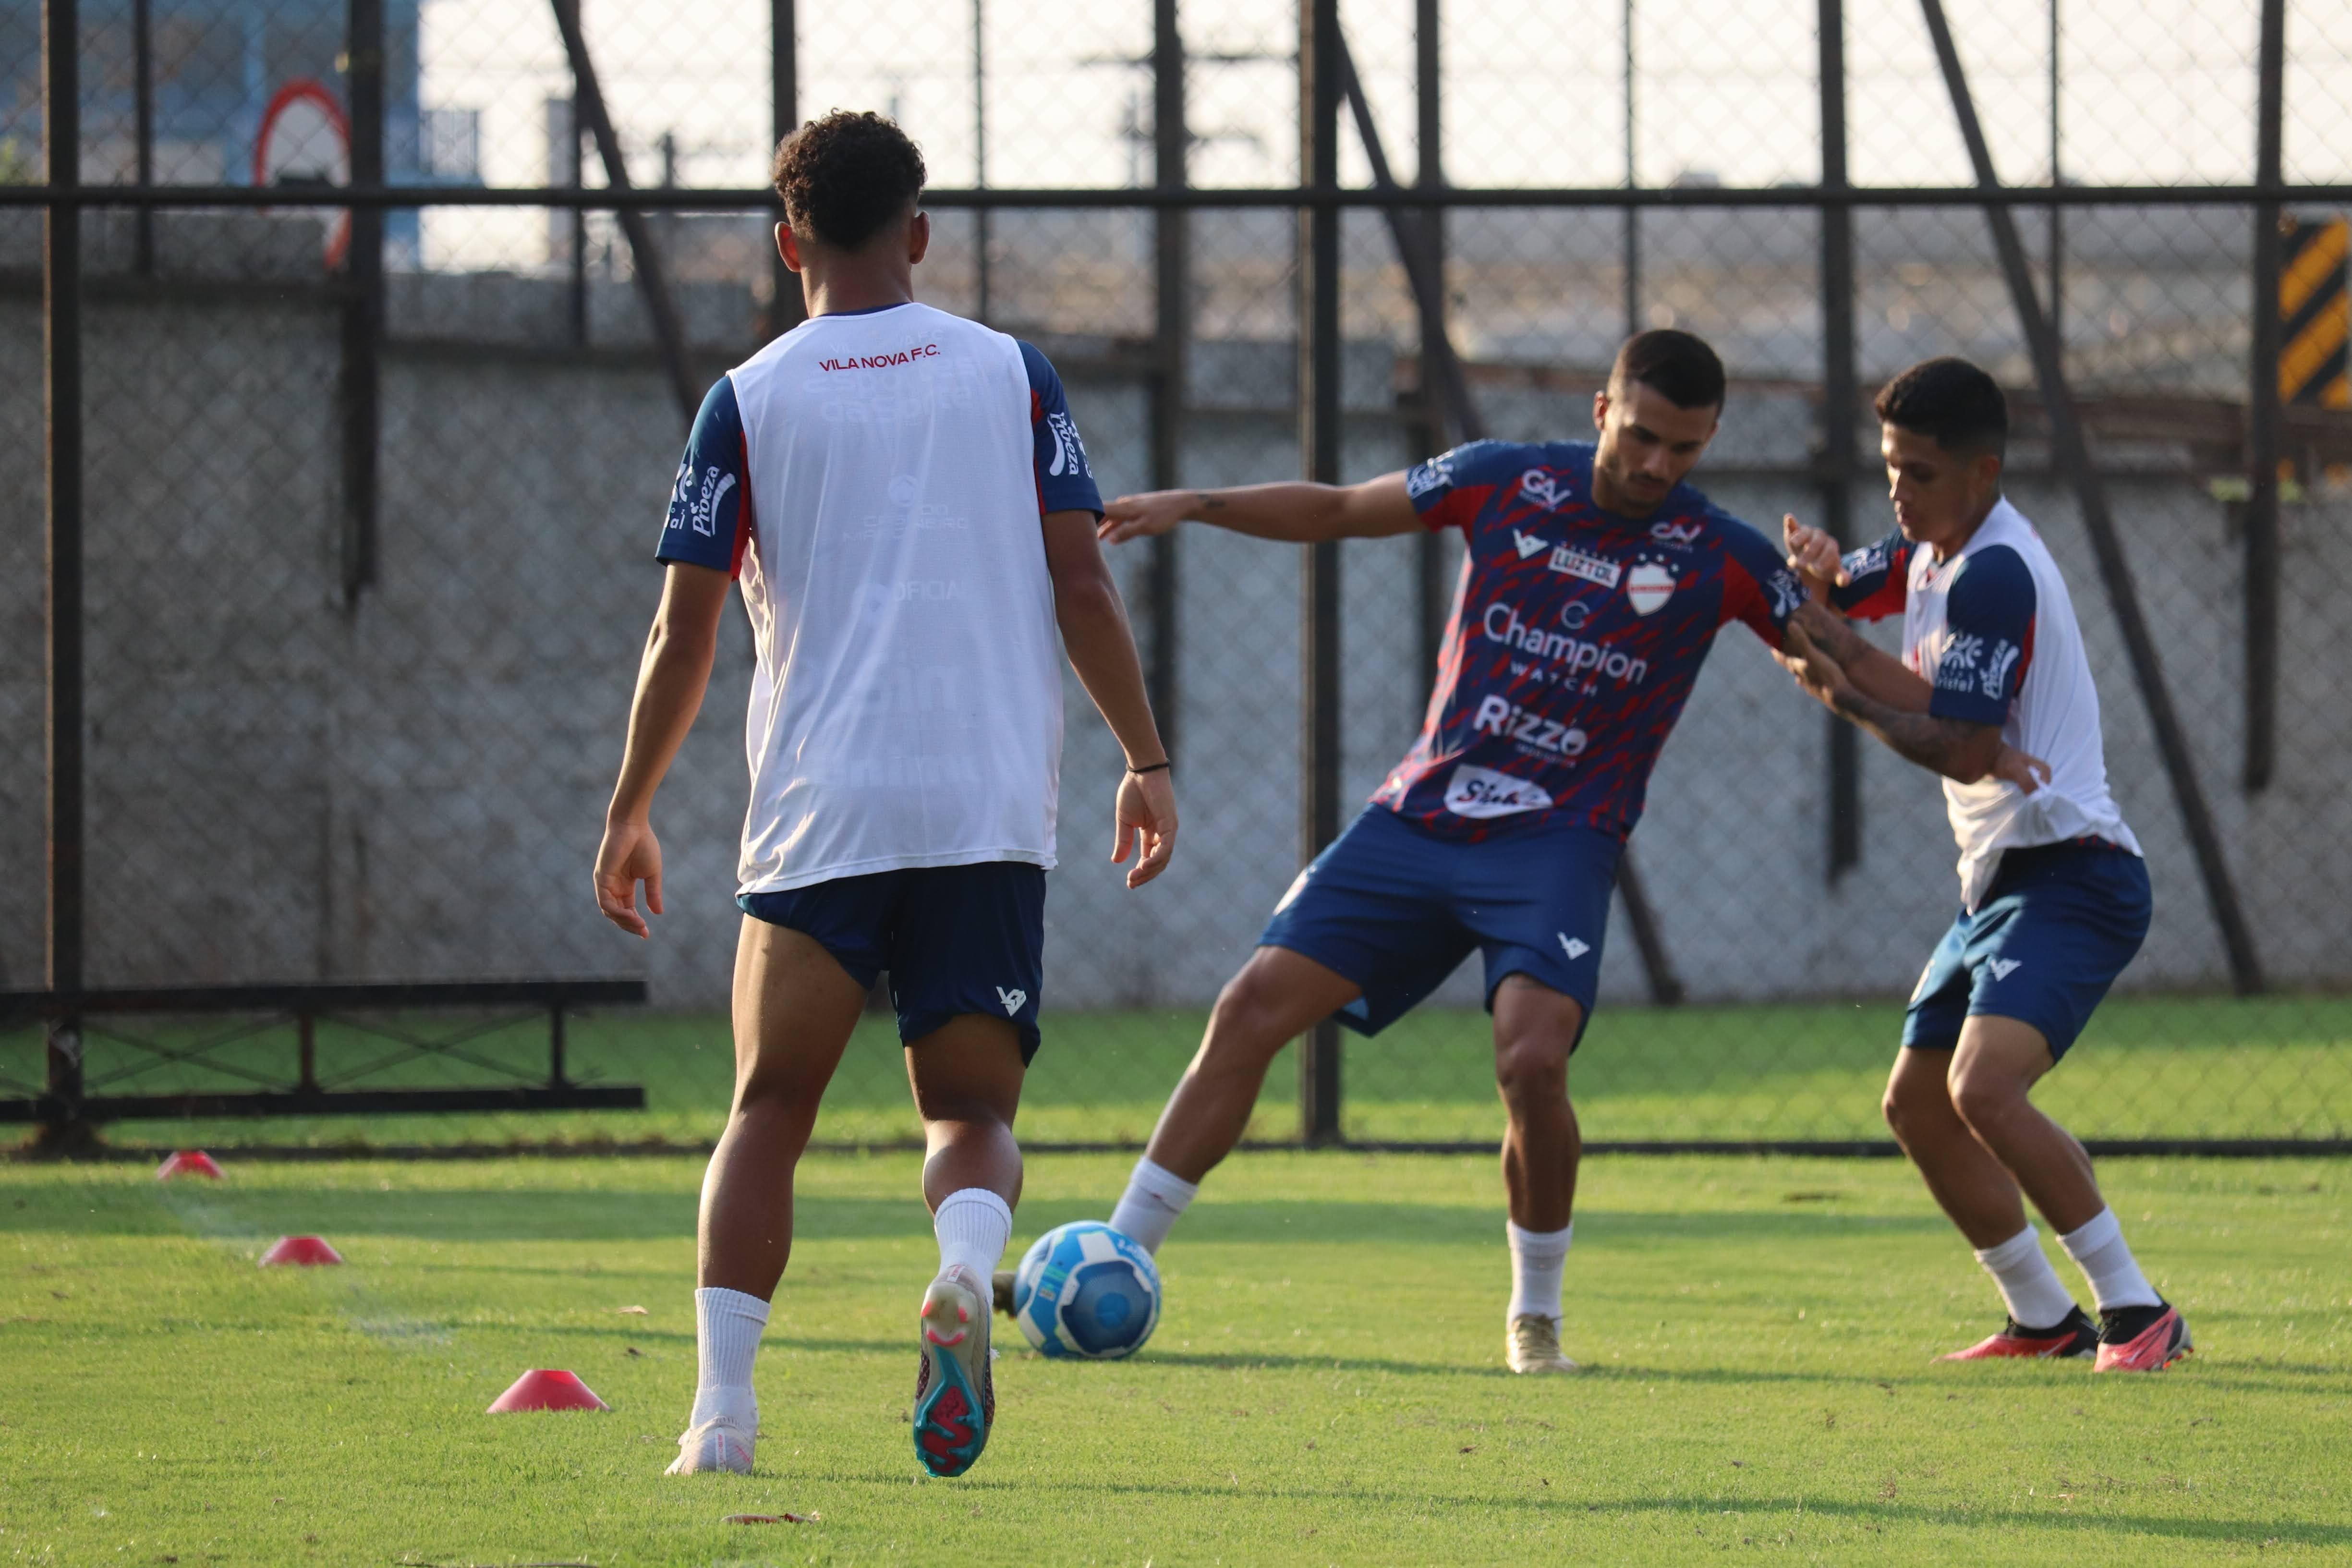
(1951, 747)
(1207, 500)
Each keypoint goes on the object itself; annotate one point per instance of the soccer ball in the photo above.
(1085, 1289)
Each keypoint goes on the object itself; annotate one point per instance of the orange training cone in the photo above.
(188, 1163)
(307, 1251)
(546, 1390)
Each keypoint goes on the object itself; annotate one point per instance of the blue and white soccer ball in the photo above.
(1085, 1289)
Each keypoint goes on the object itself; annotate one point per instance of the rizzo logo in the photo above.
(1482, 792)
(1513, 723)
(881, 362)
(1545, 489)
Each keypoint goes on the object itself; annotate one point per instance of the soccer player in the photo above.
(1595, 584)
(904, 497)
(2054, 892)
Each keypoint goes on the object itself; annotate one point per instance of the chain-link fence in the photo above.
(367, 498)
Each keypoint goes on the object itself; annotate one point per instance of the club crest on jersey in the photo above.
(1591, 568)
(1527, 545)
(1649, 586)
(1545, 489)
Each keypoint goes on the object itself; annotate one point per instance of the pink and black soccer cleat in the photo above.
(2074, 1336)
(2142, 1339)
(955, 1387)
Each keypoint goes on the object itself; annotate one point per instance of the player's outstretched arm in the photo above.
(1874, 672)
(1960, 750)
(671, 678)
(1297, 513)
(1101, 646)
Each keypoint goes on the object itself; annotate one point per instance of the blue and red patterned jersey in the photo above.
(1576, 638)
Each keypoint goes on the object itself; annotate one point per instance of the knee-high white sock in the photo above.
(2099, 1250)
(727, 1325)
(973, 1225)
(2036, 1298)
(1538, 1258)
(1156, 1198)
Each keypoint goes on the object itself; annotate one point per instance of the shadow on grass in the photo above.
(1752, 1512)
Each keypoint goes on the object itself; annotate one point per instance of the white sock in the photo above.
(727, 1325)
(2099, 1250)
(1538, 1258)
(1156, 1198)
(2036, 1298)
(973, 1225)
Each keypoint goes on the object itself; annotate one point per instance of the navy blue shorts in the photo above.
(1395, 909)
(955, 938)
(2058, 925)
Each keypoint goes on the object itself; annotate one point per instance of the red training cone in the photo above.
(546, 1390)
(307, 1251)
(188, 1163)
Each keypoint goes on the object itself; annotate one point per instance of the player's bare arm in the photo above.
(1295, 514)
(671, 680)
(1101, 648)
(1960, 751)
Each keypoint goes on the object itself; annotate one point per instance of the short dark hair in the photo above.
(1951, 400)
(846, 175)
(1678, 366)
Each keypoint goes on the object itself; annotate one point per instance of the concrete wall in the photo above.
(285, 787)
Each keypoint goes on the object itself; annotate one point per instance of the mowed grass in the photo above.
(2276, 1067)
(1325, 1386)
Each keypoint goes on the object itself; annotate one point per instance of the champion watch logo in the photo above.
(1527, 545)
(1572, 946)
(1011, 1000)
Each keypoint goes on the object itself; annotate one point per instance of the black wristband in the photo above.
(1154, 768)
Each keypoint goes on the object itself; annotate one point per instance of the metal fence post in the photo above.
(62, 334)
(1839, 398)
(1172, 242)
(787, 308)
(362, 323)
(1445, 421)
(2261, 511)
(1319, 85)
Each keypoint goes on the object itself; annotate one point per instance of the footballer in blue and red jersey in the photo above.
(1576, 638)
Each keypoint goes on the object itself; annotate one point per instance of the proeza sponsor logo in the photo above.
(1545, 489)
(1591, 568)
(1476, 792)
(695, 505)
(1426, 479)
(1069, 452)
(1513, 723)
(1502, 624)
(881, 362)
(1787, 593)
(1997, 667)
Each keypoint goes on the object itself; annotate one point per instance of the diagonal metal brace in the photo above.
(1411, 230)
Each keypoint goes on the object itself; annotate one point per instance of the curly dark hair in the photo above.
(1951, 400)
(845, 175)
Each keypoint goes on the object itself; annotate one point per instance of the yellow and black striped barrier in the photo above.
(2314, 314)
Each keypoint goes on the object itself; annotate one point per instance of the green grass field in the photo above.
(1325, 1386)
(2273, 1066)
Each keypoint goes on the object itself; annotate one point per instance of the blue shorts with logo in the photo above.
(2059, 923)
(1396, 908)
(955, 938)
